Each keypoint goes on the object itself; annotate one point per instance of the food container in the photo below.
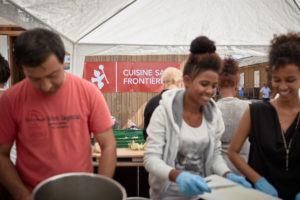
(79, 186)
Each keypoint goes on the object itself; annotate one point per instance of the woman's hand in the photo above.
(297, 197)
(191, 184)
(239, 179)
(263, 185)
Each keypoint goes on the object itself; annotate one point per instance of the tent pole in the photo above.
(74, 53)
(297, 5)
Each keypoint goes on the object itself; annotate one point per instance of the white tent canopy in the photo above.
(155, 27)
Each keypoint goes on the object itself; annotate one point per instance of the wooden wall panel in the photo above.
(131, 105)
(249, 89)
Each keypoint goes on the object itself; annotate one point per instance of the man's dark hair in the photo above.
(285, 49)
(34, 46)
(4, 70)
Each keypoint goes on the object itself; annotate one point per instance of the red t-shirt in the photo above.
(52, 132)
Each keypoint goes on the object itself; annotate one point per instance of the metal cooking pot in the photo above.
(79, 186)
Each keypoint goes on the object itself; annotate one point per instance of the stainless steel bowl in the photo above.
(79, 186)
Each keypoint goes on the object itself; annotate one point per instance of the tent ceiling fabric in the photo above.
(169, 22)
(72, 18)
(234, 25)
(156, 27)
(4, 21)
(13, 14)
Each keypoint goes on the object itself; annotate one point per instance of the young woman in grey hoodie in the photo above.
(183, 143)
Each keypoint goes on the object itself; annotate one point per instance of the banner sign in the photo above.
(127, 76)
(102, 74)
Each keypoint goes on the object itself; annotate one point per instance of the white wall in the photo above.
(4, 46)
(4, 51)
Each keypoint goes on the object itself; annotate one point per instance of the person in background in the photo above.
(50, 114)
(171, 79)
(217, 96)
(116, 123)
(273, 127)
(241, 92)
(4, 76)
(265, 92)
(183, 144)
(231, 107)
(4, 73)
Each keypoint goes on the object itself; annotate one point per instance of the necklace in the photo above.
(287, 147)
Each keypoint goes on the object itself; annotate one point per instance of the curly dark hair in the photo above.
(285, 49)
(34, 46)
(201, 45)
(229, 76)
(202, 57)
(4, 70)
(207, 62)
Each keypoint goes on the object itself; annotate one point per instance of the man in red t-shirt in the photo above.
(50, 114)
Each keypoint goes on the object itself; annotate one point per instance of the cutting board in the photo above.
(228, 190)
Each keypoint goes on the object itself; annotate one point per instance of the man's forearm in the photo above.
(10, 179)
(107, 162)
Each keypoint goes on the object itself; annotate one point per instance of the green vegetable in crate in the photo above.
(136, 146)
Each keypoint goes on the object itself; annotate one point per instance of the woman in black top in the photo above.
(274, 127)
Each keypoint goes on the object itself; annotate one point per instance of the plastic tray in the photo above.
(124, 137)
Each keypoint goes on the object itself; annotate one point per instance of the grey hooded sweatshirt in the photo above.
(163, 140)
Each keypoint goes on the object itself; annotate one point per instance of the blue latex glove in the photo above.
(239, 179)
(297, 197)
(191, 184)
(263, 185)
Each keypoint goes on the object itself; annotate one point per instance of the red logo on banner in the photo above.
(127, 76)
(102, 74)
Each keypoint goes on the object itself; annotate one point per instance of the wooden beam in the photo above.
(10, 26)
(11, 33)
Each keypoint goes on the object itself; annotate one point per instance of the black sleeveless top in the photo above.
(267, 153)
